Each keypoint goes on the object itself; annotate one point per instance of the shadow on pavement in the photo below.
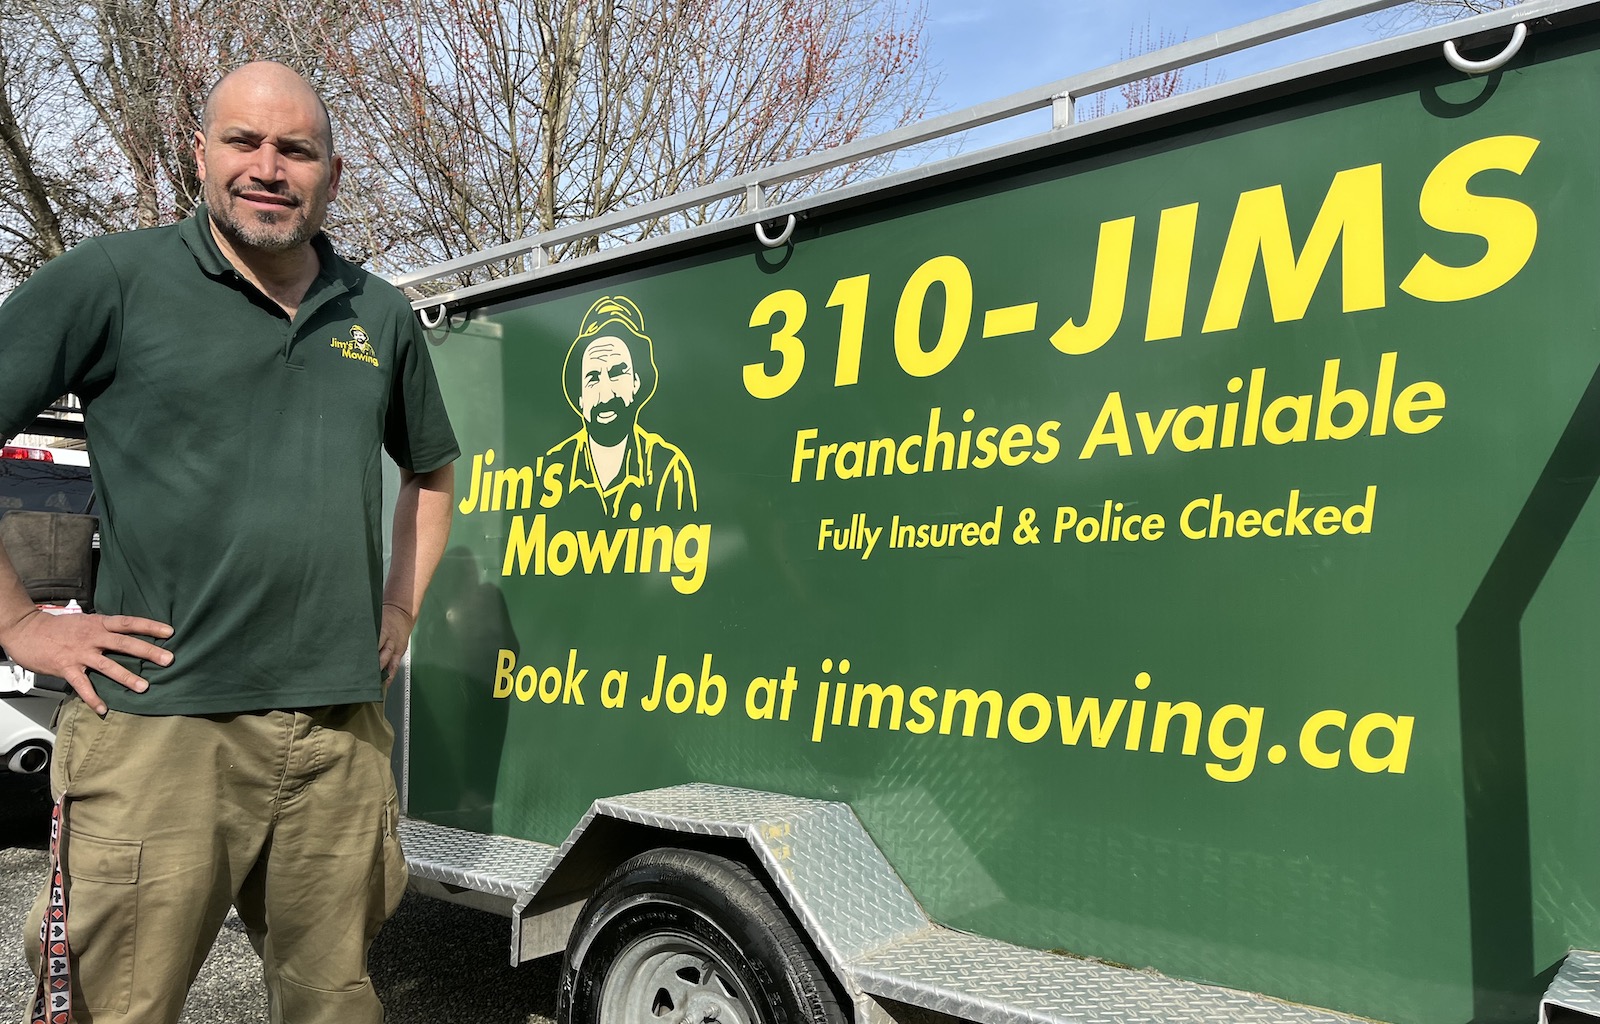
(438, 961)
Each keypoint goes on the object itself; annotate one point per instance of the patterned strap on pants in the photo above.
(52, 1000)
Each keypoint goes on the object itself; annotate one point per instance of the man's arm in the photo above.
(69, 646)
(421, 527)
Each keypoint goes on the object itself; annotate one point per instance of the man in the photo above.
(611, 454)
(229, 745)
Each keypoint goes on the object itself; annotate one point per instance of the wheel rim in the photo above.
(670, 978)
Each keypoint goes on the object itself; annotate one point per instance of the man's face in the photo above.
(609, 386)
(265, 160)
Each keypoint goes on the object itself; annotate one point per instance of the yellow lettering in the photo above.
(1110, 427)
(862, 692)
(1423, 396)
(1222, 749)
(1310, 751)
(502, 673)
(1352, 210)
(1399, 730)
(1108, 294)
(1040, 707)
(1169, 283)
(970, 700)
(1510, 228)
(1166, 711)
(1100, 729)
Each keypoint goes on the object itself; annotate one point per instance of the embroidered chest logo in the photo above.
(357, 346)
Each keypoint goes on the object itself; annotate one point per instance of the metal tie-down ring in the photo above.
(1480, 67)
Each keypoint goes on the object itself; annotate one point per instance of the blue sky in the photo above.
(986, 50)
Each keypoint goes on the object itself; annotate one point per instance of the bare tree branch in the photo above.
(464, 123)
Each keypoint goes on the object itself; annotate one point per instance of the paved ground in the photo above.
(435, 962)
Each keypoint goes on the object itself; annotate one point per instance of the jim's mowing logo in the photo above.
(612, 468)
(608, 377)
(357, 346)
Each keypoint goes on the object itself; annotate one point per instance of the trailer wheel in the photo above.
(678, 937)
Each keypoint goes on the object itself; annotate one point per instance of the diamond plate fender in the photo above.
(1576, 986)
(825, 866)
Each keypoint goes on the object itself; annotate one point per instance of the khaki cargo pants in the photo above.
(290, 816)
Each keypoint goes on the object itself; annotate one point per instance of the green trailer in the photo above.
(1141, 572)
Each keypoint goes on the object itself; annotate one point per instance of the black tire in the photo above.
(690, 937)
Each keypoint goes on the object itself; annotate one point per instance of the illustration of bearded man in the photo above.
(609, 375)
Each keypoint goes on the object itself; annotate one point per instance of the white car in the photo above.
(43, 479)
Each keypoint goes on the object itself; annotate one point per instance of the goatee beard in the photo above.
(272, 235)
(608, 434)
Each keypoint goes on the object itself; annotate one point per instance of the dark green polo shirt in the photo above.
(236, 454)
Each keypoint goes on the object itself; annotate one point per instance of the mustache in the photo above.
(614, 404)
(280, 191)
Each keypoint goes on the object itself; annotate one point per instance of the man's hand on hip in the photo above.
(70, 646)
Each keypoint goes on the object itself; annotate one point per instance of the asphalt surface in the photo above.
(434, 962)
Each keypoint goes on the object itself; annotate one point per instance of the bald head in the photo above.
(266, 80)
(265, 157)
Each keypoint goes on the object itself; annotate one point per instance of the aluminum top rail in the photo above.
(1059, 96)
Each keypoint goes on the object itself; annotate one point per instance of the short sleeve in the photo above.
(417, 433)
(58, 334)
